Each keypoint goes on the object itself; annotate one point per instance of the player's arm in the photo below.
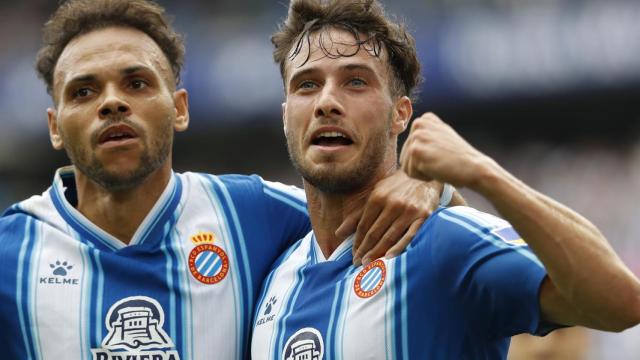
(587, 282)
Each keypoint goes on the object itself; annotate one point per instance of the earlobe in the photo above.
(402, 115)
(54, 133)
(181, 103)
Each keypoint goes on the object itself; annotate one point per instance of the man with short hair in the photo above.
(468, 281)
(122, 257)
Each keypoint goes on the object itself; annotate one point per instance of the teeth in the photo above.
(331, 134)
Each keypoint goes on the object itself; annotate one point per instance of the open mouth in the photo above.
(331, 138)
(117, 133)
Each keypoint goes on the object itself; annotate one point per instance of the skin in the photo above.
(106, 78)
(118, 76)
(324, 94)
(587, 283)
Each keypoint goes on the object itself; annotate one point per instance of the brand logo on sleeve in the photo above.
(135, 326)
(369, 280)
(208, 263)
(268, 314)
(305, 344)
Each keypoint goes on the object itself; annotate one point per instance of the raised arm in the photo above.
(587, 282)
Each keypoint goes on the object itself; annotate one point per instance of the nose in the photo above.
(114, 104)
(329, 103)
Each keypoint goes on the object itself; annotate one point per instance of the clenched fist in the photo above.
(434, 151)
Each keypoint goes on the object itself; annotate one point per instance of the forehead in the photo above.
(107, 49)
(332, 46)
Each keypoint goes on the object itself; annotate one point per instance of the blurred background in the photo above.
(550, 89)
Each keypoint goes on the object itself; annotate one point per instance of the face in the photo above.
(340, 119)
(116, 108)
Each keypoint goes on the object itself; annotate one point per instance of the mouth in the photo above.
(117, 134)
(332, 138)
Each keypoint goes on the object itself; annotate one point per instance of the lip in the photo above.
(323, 129)
(104, 139)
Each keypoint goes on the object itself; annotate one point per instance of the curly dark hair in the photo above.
(372, 29)
(78, 17)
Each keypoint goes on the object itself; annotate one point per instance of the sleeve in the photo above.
(489, 271)
(287, 206)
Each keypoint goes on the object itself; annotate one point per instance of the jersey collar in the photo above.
(344, 249)
(155, 226)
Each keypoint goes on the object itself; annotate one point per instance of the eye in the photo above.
(82, 92)
(307, 84)
(138, 84)
(357, 82)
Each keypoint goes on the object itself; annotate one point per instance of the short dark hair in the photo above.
(359, 17)
(78, 17)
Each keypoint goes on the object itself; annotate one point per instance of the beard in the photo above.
(152, 158)
(335, 178)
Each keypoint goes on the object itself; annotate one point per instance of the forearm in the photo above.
(580, 262)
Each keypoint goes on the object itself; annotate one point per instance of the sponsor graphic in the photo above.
(60, 271)
(135, 326)
(208, 263)
(305, 344)
(509, 235)
(267, 316)
(369, 280)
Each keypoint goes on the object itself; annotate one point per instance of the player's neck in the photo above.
(120, 213)
(328, 211)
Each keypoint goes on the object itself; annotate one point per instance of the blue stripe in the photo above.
(397, 309)
(99, 296)
(287, 199)
(22, 286)
(282, 329)
(33, 292)
(337, 299)
(176, 313)
(485, 234)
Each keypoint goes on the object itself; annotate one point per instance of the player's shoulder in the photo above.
(465, 223)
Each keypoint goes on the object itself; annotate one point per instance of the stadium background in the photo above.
(551, 89)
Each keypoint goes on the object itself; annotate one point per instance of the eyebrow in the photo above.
(85, 78)
(347, 67)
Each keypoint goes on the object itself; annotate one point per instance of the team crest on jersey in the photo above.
(208, 263)
(135, 326)
(305, 344)
(369, 280)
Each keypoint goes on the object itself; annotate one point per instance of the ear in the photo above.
(54, 133)
(402, 112)
(181, 104)
(284, 117)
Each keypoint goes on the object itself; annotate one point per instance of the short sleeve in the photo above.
(286, 209)
(489, 271)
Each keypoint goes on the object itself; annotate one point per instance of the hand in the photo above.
(434, 151)
(392, 215)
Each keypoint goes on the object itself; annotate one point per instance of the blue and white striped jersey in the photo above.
(465, 284)
(184, 288)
